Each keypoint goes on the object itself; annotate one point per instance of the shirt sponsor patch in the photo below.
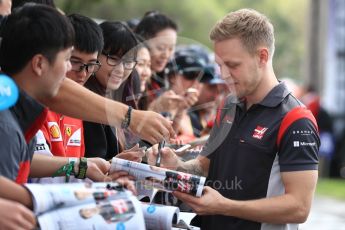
(297, 144)
(40, 147)
(75, 139)
(259, 132)
(54, 131)
(302, 132)
(68, 131)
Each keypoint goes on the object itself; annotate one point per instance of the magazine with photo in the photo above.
(113, 214)
(150, 178)
(97, 206)
(51, 196)
(86, 206)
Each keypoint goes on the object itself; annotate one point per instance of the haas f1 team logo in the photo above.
(259, 132)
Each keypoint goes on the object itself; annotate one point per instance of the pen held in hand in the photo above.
(159, 156)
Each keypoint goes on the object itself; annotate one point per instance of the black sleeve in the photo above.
(99, 140)
(112, 144)
(299, 147)
(95, 140)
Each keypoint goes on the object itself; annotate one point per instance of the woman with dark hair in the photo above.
(143, 69)
(118, 57)
(161, 34)
(113, 80)
(143, 66)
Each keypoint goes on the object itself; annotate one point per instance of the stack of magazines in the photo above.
(110, 206)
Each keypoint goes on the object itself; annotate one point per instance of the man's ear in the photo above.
(263, 56)
(39, 63)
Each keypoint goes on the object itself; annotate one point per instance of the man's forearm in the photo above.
(74, 100)
(276, 210)
(291, 207)
(46, 166)
(12, 191)
(193, 167)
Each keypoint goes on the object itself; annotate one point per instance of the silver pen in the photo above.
(159, 156)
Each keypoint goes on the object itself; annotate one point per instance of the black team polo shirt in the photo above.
(247, 157)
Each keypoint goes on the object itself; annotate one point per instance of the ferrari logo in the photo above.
(69, 131)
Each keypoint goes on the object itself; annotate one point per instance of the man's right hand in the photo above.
(169, 159)
(151, 126)
(15, 216)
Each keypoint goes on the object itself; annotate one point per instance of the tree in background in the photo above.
(196, 18)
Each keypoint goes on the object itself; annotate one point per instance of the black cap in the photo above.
(197, 50)
(187, 64)
(212, 75)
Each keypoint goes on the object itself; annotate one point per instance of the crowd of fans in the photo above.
(132, 62)
(90, 92)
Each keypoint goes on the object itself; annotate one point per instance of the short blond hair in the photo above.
(250, 26)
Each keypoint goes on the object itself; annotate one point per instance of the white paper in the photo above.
(160, 178)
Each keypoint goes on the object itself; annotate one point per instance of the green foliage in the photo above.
(196, 18)
(334, 188)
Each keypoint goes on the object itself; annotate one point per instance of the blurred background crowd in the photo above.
(310, 47)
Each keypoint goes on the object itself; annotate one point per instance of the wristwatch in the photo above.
(82, 168)
(127, 120)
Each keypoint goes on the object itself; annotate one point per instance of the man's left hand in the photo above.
(210, 203)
